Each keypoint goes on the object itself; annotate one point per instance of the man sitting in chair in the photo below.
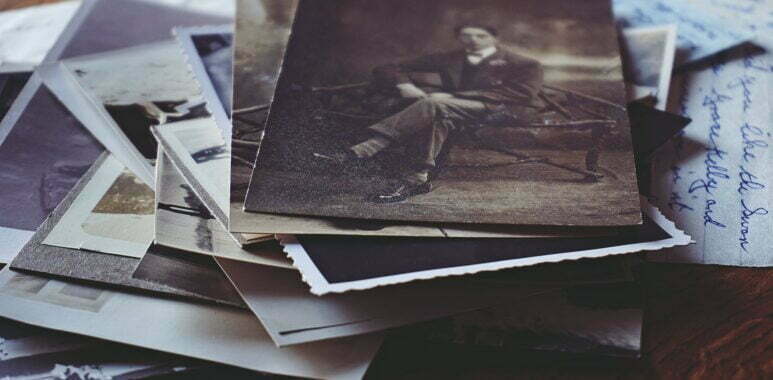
(483, 81)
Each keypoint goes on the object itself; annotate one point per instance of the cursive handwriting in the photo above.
(685, 19)
(678, 144)
(684, 100)
(741, 8)
(746, 215)
(714, 171)
(750, 136)
(707, 214)
(675, 202)
(748, 181)
(744, 83)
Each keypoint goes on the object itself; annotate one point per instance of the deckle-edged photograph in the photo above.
(118, 95)
(648, 59)
(487, 112)
(337, 264)
(64, 246)
(256, 69)
(184, 222)
(209, 53)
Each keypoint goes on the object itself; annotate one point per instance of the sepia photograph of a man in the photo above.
(487, 112)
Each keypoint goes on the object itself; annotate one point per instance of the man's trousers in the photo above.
(424, 126)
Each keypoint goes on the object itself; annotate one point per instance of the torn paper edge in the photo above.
(320, 286)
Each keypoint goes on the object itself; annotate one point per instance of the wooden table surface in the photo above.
(700, 322)
(13, 4)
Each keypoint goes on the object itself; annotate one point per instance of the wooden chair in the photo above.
(569, 110)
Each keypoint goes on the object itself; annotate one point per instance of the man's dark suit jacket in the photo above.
(504, 78)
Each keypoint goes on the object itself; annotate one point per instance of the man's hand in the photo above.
(410, 91)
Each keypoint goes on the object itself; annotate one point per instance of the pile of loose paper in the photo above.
(285, 185)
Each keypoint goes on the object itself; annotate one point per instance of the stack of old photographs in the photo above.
(283, 187)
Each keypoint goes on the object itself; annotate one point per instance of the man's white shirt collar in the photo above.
(480, 54)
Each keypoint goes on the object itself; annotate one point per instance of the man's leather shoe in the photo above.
(401, 192)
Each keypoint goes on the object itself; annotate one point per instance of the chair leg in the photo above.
(598, 135)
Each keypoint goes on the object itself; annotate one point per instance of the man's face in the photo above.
(476, 38)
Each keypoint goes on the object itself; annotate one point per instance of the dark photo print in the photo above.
(494, 111)
(216, 53)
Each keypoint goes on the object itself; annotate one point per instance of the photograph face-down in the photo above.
(488, 113)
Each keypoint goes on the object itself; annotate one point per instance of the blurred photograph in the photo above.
(648, 60)
(491, 112)
(69, 295)
(209, 53)
(215, 51)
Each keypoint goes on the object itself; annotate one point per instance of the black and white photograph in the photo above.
(648, 60)
(118, 95)
(391, 189)
(93, 258)
(184, 222)
(113, 213)
(198, 151)
(398, 116)
(209, 53)
(44, 149)
(337, 264)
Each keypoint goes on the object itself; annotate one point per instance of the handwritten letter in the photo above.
(714, 179)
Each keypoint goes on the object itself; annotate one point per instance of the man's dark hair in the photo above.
(492, 30)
